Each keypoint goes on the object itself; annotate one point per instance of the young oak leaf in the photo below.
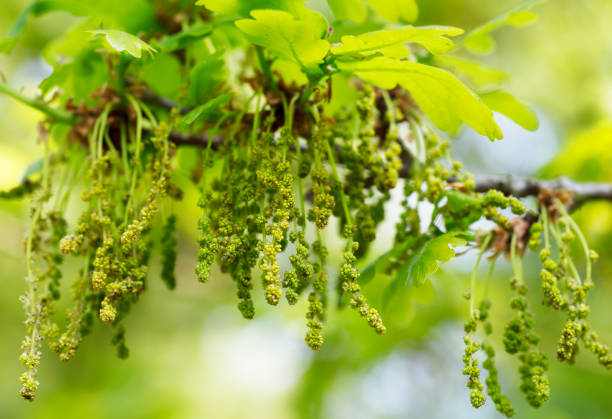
(380, 264)
(479, 41)
(506, 104)
(443, 98)
(478, 75)
(424, 262)
(292, 39)
(123, 41)
(391, 42)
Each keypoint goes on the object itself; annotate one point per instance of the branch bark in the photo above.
(509, 185)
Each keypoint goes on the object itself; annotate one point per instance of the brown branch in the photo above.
(509, 185)
(522, 187)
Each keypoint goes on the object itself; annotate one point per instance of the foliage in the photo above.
(255, 102)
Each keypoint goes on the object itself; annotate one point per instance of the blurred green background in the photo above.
(192, 354)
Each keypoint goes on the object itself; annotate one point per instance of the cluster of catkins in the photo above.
(255, 215)
(563, 289)
(127, 184)
(268, 197)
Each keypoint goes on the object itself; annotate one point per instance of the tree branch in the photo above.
(522, 187)
(509, 185)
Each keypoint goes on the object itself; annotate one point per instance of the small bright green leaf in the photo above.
(395, 10)
(461, 202)
(292, 39)
(443, 98)
(506, 104)
(185, 37)
(391, 42)
(478, 75)
(206, 110)
(426, 260)
(123, 41)
(479, 41)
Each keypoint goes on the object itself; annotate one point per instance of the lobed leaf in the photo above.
(479, 41)
(391, 42)
(443, 98)
(122, 41)
(297, 40)
(506, 104)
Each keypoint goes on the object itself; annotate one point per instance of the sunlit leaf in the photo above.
(122, 41)
(391, 42)
(292, 39)
(443, 98)
(506, 104)
(478, 75)
(395, 10)
(480, 40)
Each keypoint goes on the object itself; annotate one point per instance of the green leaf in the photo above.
(185, 37)
(292, 39)
(461, 202)
(123, 41)
(478, 75)
(426, 260)
(245, 7)
(353, 10)
(443, 98)
(206, 110)
(506, 104)
(479, 41)
(395, 10)
(391, 42)
(382, 262)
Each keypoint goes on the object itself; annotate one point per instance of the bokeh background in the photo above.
(192, 354)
